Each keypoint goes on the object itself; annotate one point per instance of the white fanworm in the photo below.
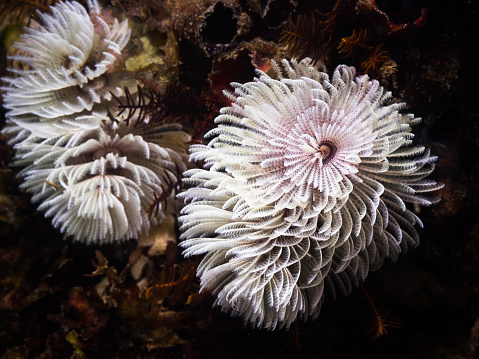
(89, 171)
(304, 187)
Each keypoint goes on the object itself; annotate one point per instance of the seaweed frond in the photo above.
(172, 282)
(374, 61)
(348, 46)
(306, 38)
(380, 322)
(22, 11)
(153, 107)
(113, 293)
(171, 186)
(312, 37)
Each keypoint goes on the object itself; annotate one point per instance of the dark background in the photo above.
(49, 307)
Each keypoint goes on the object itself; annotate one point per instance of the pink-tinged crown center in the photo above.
(326, 152)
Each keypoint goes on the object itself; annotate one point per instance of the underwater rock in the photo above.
(213, 25)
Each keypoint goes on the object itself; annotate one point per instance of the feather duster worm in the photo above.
(98, 187)
(305, 189)
(68, 64)
(88, 170)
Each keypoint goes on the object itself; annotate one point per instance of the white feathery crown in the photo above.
(305, 187)
(67, 69)
(89, 171)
